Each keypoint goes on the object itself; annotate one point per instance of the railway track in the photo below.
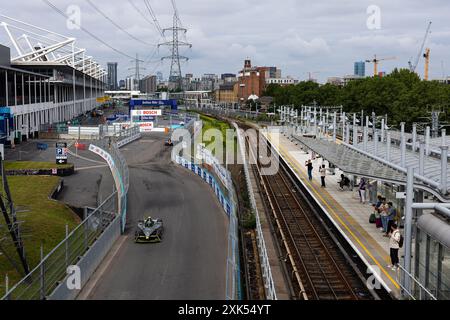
(319, 269)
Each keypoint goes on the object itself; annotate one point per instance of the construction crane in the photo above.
(412, 67)
(376, 61)
(426, 55)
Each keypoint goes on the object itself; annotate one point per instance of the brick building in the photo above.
(251, 80)
(227, 93)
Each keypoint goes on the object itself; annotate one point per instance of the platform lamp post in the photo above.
(406, 280)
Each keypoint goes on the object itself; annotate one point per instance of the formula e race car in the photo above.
(169, 143)
(149, 231)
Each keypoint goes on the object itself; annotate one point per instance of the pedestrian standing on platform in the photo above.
(392, 215)
(323, 173)
(394, 246)
(384, 212)
(362, 191)
(309, 166)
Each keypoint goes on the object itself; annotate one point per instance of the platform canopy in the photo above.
(352, 162)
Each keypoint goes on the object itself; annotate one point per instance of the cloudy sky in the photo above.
(322, 37)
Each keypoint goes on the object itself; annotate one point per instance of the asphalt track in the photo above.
(190, 262)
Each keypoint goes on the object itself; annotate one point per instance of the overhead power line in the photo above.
(140, 12)
(51, 5)
(155, 19)
(117, 25)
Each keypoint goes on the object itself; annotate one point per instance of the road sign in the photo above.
(61, 153)
(400, 195)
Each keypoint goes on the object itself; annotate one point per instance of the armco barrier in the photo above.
(265, 265)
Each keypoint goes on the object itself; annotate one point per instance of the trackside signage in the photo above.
(140, 113)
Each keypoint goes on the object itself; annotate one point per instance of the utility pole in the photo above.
(175, 57)
(137, 72)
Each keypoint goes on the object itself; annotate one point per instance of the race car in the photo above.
(149, 231)
(169, 143)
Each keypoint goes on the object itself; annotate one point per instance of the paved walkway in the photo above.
(346, 212)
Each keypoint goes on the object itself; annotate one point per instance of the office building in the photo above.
(112, 76)
(360, 69)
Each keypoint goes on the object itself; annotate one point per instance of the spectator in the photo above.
(394, 246)
(310, 169)
(323, 173)
(344, 182)
(384, 216)
(362, 191)
(392, 215)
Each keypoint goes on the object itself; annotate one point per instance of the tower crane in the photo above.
(412, 67)
(426, 55)
(376, 61)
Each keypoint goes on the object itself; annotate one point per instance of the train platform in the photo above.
(345, 210)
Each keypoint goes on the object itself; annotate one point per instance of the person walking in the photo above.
(394, 246)
(362, 191)
(323, 174)
(310, 168)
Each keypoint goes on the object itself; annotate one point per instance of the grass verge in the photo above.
(42, 221)
(31, 165)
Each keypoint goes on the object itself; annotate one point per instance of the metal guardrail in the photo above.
(418, 291)
(45, 277)
(265, 265)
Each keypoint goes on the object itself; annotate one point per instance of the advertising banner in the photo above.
(145, 126)
(141, 113)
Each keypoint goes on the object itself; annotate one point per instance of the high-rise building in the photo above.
(148, 84)
(360, 69)
(129, 84)
(112, 75)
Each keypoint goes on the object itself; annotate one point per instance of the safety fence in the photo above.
(417, 290)
(46, 276)
(264, 258)
(227, 198)
(81, 247)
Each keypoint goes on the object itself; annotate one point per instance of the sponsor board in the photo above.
(145, 126)
(141, 113)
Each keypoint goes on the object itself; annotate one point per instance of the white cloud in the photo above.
(298, 36)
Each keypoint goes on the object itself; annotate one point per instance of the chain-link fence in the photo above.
(45, 277)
